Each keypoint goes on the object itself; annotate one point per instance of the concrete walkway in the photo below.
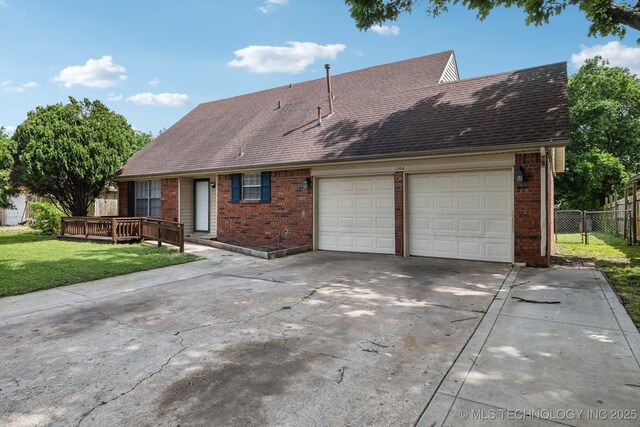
(215, 260)
(555, 347)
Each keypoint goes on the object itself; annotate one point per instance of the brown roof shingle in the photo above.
(389, 110)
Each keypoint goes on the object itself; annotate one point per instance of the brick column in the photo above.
(169, 199)
(398, 194)
(527, 199)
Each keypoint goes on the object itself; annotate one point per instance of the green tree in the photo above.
(7, 151)
(592, 176)
(68, 152)
(606, 16)
(604, 117)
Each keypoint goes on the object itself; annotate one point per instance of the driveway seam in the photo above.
(444, 377)
(484, 342)
(624, 334)
(560, 322)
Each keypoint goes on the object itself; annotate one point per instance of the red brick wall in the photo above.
(527, 199)
(123, 198)
(169, 199)
(398, 189)
(284, 223)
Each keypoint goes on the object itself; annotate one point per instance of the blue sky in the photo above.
(153, 61)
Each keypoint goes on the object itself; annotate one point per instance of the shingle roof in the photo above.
(389, 110)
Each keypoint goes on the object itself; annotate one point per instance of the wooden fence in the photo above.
(123, 229)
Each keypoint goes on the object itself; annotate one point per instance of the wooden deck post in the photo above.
(181, 237)
(114, 230)
(86, 227)
(159, 234)
(626, 215)
(634, 212)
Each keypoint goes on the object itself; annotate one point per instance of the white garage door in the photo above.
(356, 214)
(466, 215)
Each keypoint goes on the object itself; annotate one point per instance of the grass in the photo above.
(614, 257)
(30, 261)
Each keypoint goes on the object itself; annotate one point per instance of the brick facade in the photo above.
(287, 221)
(398, 195)
(527, 199)
(123, 198)
(169, 199)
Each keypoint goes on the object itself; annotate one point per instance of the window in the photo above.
(148, 198)
(251, 185)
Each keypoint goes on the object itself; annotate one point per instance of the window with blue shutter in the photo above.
(236, 179)
(265, 182)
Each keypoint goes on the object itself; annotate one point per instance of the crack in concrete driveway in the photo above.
(221, 348)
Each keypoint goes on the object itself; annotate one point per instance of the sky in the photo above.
(154, 61)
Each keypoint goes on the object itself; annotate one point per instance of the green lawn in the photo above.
(30, 261)
(614, 257)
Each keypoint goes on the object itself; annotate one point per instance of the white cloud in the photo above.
(164, 99)
(114, 97)
(618, 55)
(272, 5)
(10, 87)
(9, 129)
(385, 30)
(96, 73)
(294, 58)
(154, 82)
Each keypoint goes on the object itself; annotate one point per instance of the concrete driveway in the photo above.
(314, 339)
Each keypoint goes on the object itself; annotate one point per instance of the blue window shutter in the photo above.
(265, 182)
(235, 187)
(131, 198)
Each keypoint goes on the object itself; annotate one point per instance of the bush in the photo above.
(46, 217)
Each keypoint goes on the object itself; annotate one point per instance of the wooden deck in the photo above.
(123, 230)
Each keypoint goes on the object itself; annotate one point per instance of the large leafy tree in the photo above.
(607, 17)
(7, 151)
(68, 152)
(604, 113)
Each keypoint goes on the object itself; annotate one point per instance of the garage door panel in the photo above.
(359, 212)
(466, 215)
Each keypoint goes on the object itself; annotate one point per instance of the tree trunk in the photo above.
(624, 16)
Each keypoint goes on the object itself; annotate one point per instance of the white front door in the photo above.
(466, 215)
(356, 214)
(201, 205)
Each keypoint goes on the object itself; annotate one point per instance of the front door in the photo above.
(201, 205)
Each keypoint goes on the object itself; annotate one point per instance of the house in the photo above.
(402, 158)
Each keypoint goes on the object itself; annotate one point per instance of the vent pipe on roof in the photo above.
(279, 105)
(329, 91)
(319, 117)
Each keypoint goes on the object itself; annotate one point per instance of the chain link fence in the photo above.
(569, 227)
(591, 227)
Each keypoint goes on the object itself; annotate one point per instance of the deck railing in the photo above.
(123, 229)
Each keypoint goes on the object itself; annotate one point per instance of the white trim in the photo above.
(543, 201)
(179, 202)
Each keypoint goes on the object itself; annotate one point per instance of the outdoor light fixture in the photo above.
(520, 174)
(213, 185)
(307, 182)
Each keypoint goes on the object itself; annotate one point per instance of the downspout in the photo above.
(543, 201)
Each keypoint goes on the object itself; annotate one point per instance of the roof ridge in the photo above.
(450, 51)
(503, 73)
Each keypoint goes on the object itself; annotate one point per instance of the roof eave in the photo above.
(400, 156)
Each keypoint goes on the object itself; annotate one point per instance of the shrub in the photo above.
(46, 217)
